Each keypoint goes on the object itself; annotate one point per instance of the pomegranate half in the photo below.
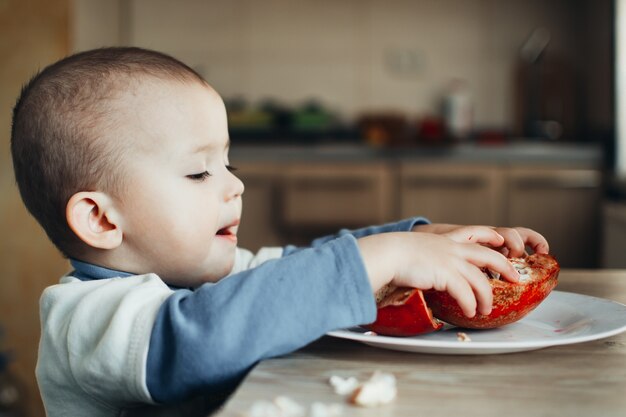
(409, 311)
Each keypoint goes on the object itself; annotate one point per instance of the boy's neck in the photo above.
(89, 271)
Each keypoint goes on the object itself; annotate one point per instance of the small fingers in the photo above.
(513, 241)
(469, 287)
(476, 234)
(518, 238)
(495, 261)
(462, 292)
(482, 290)
(535, 240)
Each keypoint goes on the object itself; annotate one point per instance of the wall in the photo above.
(357, 55)
(33, 33)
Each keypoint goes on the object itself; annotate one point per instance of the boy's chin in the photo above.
(209, 270)
(193, 282)
(194, 279)
(215, 274)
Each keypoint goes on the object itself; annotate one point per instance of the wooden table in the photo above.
(585, 379)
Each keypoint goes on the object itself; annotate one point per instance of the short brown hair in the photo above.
(56, 143)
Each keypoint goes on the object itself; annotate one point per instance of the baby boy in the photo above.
(121, 154)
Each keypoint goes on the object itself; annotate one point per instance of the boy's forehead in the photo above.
(190, 112)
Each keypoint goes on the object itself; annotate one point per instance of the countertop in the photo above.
(588, 155)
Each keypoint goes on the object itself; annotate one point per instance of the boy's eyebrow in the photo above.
(208, 146)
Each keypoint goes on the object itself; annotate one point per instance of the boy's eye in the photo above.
(199, 177)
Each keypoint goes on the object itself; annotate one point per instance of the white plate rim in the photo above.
(456, 346)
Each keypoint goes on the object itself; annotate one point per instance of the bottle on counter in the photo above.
(458, 110)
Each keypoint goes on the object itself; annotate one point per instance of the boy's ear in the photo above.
(92, 216)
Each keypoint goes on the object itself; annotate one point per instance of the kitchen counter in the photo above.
(513, 153)
(288, 189)
(576, 380)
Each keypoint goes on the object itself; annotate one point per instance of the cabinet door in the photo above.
(330, 196)
(260, 206)
(613, 235)
(452, 193)
(561, 204)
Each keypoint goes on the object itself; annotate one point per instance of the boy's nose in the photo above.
(236, 187)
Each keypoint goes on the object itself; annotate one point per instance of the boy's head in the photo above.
(121, 154)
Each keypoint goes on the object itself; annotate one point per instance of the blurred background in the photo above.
(354, 112)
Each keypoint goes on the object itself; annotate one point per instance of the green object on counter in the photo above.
(312, 118)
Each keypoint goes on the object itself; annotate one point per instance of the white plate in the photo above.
(562, 318)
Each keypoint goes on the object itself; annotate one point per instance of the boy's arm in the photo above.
(405, 225)
(206, 340)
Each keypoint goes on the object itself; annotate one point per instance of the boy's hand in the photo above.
(510, 241)
(428, 260)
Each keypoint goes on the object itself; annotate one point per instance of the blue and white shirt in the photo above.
(113, 341)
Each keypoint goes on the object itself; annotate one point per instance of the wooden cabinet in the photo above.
(294, 203)
(318, 199)
(613, 235)
(259, 222)
(452, 193)
(337, 195)
(561, 203)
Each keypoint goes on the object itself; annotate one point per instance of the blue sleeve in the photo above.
(204, 341)
(401, 226)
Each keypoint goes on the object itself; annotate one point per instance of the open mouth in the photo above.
(226, 231)
(229, 231)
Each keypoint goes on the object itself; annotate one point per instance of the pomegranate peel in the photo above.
(511, 301)
(406, 311)
(402, 311)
